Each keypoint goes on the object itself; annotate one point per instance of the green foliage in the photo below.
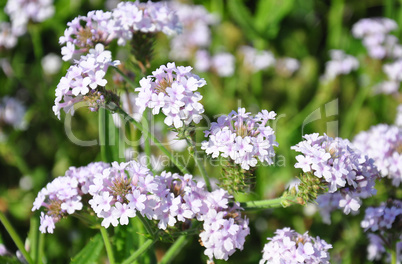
(90, 253)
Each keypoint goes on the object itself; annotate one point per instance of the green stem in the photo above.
(108, 246)
(174, 250)
(36, 41)
(393, 256)
(15, 238)
(144, 247)
(106, 152)
(40, 248)
(154, 139)
(199, 164)
(146, 224)
(266, 204)
(126, 78)
(147, 145)
(353, 112)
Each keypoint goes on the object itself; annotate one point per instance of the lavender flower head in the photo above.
(383, 144)
(121, 191)
(340, 64)
(173, 90)
(243, 138)
(348, 174)
(84, 32)
(290, 247)
(196, 34)
(222, 63)
(146, 17)
(82, 80)
(22, 11)
(383, 223)
(12, 113)
(63, 196)
(257, 60)
(8, 38)
(376, 38)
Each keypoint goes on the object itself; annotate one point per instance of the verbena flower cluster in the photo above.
(256, 60)
(196, 34)
(63, 196)
(121, 23)
(340, 64)
(393, 71)
(290, 247)
(243, 138)
(23, 11)
(222, 63)
(12, 113)
(375, 33)
(383, 143)
(383, 223)
(83, 78)
(119, 192)
(174, 91)
(348, 174)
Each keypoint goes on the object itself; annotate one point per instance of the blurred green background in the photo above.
(301, 29)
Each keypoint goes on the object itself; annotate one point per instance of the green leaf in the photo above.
(90, 253)
(242, 16)
(269, 14)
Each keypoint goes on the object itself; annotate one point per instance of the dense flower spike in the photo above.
(383, 144)
(384, 220)
(221, 63)
(63, 196)
(224, 228)
(82, 79)
(173, 90)
(256, 60)
(376, 37)
(146, 17)
(196, 33)
(123, 190)
(8, 39)
(84, 32)
(341, 168)
(23, 11)
(290, 247)
(243, 138)
(12, 113)
(340, 64)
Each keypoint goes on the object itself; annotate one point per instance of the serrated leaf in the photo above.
(90, 253)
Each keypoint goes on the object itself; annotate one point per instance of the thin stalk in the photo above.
(174, 250)
(353, 112)
(15, 238)
(147, 145)
(146, 224)
(266, 204)
(154, 139)
(33, 238)
(199, 164)
(144, 247)
(108, 246)
(40, 248)
(106, 154)
(393, 257)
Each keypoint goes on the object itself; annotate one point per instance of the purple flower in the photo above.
(288, 246)
(341, 168)
(173, 90)
(382, 143)
(242, 138)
